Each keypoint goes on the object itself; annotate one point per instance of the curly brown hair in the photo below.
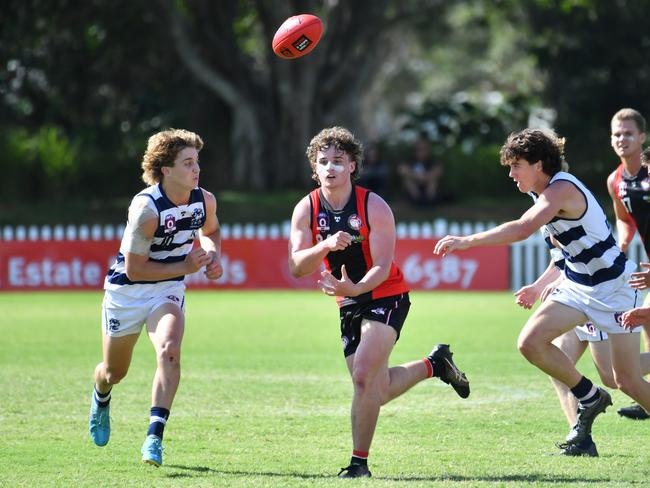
(344, 140)
(535, 145)
(162, 149)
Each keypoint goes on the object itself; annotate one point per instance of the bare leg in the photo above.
(369, 370)
(573, 347)
(403, 378)
(117, 354)
(549, 321)
(165, 327)
(626, 363)
(602, 356)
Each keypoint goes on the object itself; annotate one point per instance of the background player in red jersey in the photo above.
(352, 231)
(629, 188)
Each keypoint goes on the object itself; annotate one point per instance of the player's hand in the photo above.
(548, 289)
(196, 259)
(641, 279)
(338, 241)
(214, 269)
(636, 317)
(450, 243)
(527, 296)
(344, 287)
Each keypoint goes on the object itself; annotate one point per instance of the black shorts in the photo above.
(391, 311)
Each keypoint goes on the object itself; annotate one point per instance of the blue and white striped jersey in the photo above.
(172, 242)
(592, 259)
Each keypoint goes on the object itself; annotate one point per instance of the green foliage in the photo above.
(265, 395)
(95, 79)
(46, 156)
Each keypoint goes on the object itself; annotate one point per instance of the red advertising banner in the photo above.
(247, 263)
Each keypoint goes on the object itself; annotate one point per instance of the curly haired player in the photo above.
(145, 284)
(351, 230)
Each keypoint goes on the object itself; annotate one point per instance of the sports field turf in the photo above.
(265, 395)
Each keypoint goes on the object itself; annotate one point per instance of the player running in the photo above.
(145, 285)
(352, 231)
(629, 188)
(596, 272)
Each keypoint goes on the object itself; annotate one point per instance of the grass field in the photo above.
(264, 400)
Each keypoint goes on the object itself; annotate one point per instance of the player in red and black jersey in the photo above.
(352, 231)
(629, 188)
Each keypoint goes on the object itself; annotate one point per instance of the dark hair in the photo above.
(535, 145)
(342, 139)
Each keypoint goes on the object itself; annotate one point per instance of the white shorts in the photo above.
(588, 333)
(125, 315)
(604, 313)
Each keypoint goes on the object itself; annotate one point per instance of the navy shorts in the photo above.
(391, 311)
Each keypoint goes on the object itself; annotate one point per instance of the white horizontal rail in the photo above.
(96, 232)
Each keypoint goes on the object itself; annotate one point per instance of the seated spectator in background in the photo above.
(421, 175)
(375, 170)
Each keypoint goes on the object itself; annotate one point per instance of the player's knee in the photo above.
(114, 375)
(361, 378)
(608, 380)
(528, 346)
(628, 384)
(170, 353)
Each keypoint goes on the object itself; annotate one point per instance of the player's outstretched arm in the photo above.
(548, 205)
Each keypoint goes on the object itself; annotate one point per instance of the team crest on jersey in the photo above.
(354, 222)
(645, 184)
(170, 223)
(622, 189)
(322, 222)
(197, 218)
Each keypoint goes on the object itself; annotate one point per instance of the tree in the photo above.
(277, 105)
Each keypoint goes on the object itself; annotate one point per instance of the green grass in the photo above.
(264, 400)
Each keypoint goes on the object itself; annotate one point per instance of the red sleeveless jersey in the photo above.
(353, 219)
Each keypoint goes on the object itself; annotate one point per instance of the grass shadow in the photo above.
(514, 478)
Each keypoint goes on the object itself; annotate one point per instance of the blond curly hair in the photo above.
(162, 149)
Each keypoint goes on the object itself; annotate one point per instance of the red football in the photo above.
(297, 36)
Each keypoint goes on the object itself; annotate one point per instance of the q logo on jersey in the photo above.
(322, 222)
(170, 223)
(354, 222)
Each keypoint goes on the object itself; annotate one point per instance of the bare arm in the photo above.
(140, 268)
(625, 226)
(305, 257)
(382, 244)
(558, 197)
(210, 237)
(382, 250)
(527, 296)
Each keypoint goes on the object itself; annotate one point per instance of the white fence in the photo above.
(528, 258)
